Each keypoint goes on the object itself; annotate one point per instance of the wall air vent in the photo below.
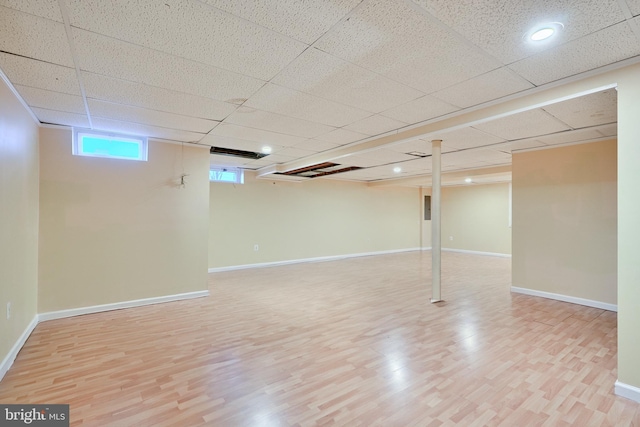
(321, 169)
(236, 153)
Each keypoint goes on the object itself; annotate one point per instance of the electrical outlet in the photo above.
(8, 310)
(256, 247)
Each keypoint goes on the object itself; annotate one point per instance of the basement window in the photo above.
(232, 175)
(98, 144)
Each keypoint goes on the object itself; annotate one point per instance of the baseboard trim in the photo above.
(627, 391)
(11, 356)
(464, 251)
(119, 305)
(566, 298)
(304, 260)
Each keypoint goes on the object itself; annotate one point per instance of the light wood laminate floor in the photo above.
(353, 342)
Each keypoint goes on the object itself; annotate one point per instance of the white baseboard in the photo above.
(11, 356)
(566, 298)
(303, 260)
(464, 251)
(628, 391)
(119, 305)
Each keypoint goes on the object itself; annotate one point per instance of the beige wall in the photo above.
(317, 218)
(476, 218)
(117, 230)
(565, 221)
(18, 218)
(629, 227)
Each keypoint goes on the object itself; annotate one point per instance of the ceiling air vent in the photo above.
(321, 169)
(236, 153)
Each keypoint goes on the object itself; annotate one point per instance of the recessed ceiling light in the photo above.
(266, 149)
(468, 180)
(397, 169)
(544, 31)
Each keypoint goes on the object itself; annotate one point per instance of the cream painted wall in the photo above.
(565, 221)
(18, 218)
(477, 217)
(317, 218)
(116, 230)
(629, 227)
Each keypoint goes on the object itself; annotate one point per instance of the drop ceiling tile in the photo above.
(418, 110)
(467, 157)
(294, 152)
(634, 6)
(375, 158)
(316, 145)
(608, 130)
(145, 116)
(466, 138)
(250, 117)
(393, 39)
(326, 76)
(29, 72)
(271, 159)
(288, 102)
(217, 160)
(48, 9)
(114, 58)
(304, 21)
(523, 125)
(263, 136)
(518, 145)
(416, 145)
(341, 136)
(34, 37)
(141, 95)
(499, 28)
(375, 125)
(487, 87)
(157, 132)
(192, 30)
(610, 45)
(49, 100)
(580, 135)
(61, 117)
(590, 110)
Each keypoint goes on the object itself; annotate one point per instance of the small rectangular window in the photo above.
(233, 175)
(98, 144)
(427, 208)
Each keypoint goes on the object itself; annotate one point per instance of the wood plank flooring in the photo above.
(348, 343)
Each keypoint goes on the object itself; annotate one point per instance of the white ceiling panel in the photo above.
(250, 117)
(294, 152)
(281, 100)
(523, 125)
(269, 160)
(466, 138)
(114, 58)
(382, 156)
(595, 109)
(481, 155)
(393, 39)
(634, 6)
(499, 28)
(142, 95)
(608, 130)
(522, 144)
(158, 132)
(301, 20)
(47, 99)
(326, 76)
(145, 116)
(580, 135)
(29, 72)
(34, 37)
(61, 117)
(375, 125)
(487, 87)
(592, 51)
(263, 136)
(191, 30)
(316, 145)
(416, 145)
(418, 110)
(48, 9)
(341, 136)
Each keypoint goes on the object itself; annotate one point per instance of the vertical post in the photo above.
(436, 245)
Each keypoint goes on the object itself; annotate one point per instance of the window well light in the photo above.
(266, 149)
(397, 169)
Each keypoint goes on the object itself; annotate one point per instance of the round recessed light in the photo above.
(397, 169)
(544, 31)
(266, 149)
(468, 180)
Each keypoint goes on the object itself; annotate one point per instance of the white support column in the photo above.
(435, 220)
